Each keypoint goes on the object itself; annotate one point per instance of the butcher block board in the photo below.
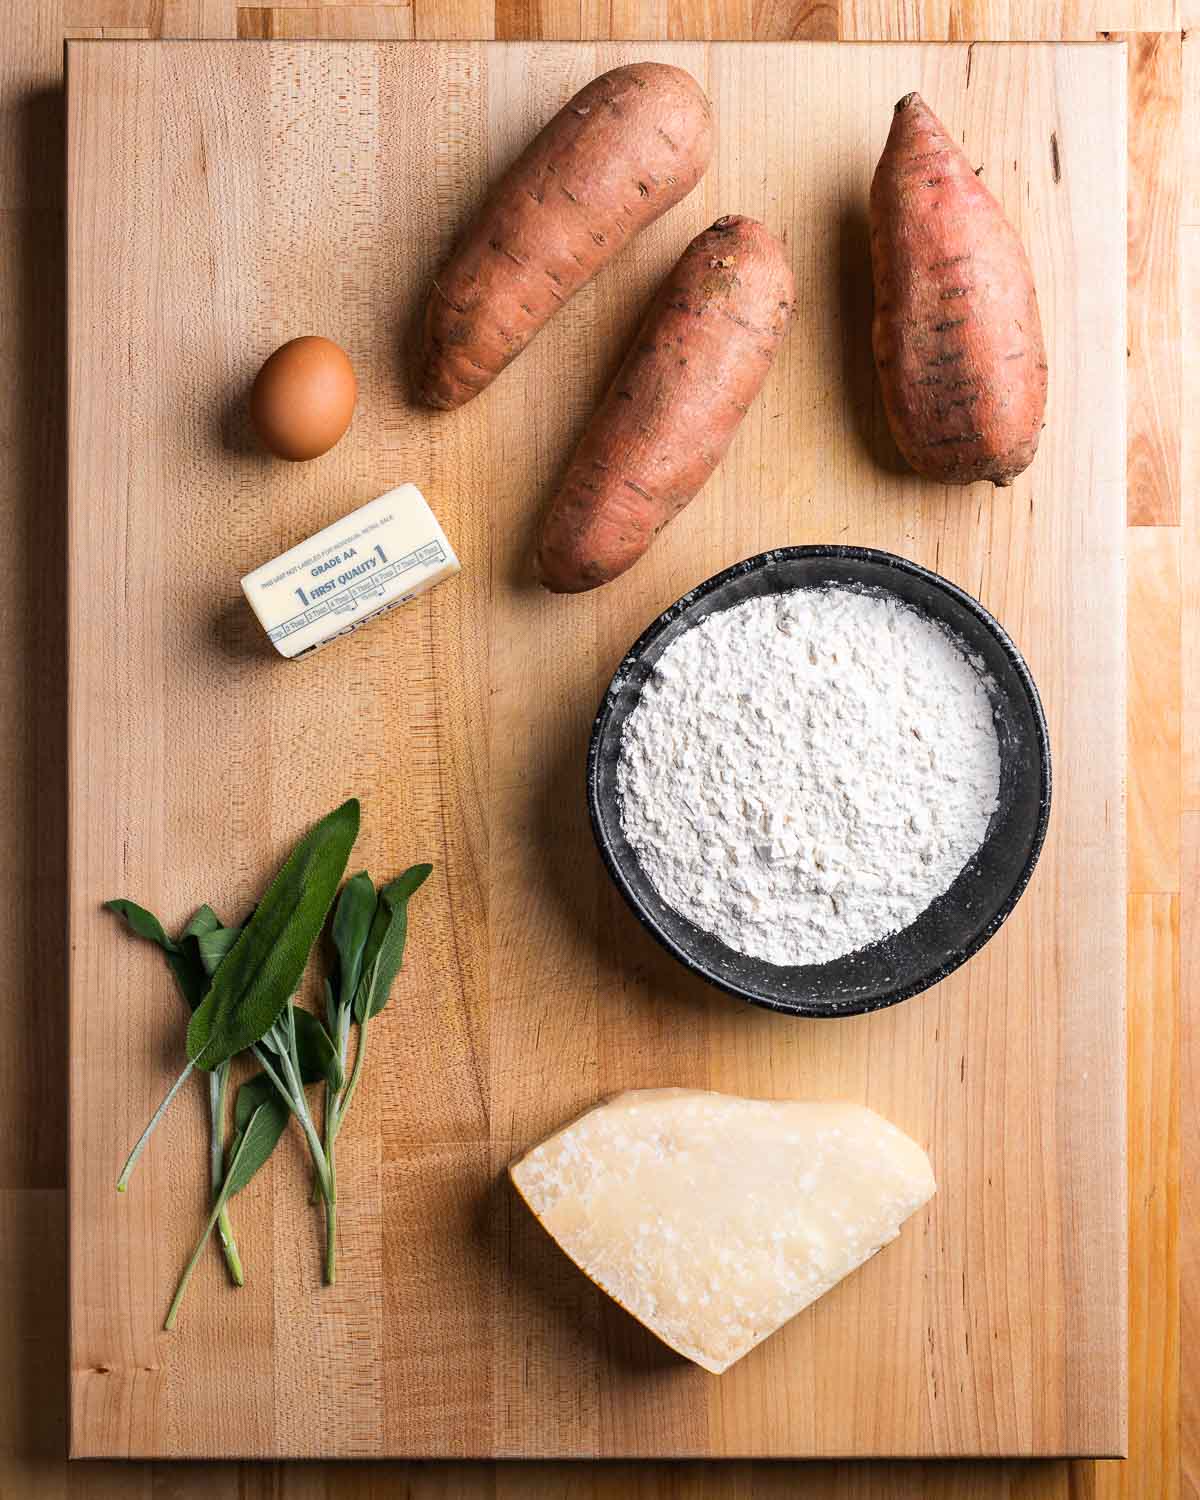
(224, 197)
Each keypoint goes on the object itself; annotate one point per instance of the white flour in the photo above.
(806, 772)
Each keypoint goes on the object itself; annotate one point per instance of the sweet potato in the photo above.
(956, 332)
(625, 149)
(698, 361)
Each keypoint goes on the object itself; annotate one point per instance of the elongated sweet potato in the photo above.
(625, 149)
(956, 332)
(699, 359)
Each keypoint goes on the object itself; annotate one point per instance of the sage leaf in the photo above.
(331, 1008)
(143, 922)
(185, 965)
(257, 1093)
(265, 964)
(385, 946)
(214, 946)
(315, 1051)
(205, 920)
(251, 1150)
(255, 1144)
(253, 1147)
(351, 928)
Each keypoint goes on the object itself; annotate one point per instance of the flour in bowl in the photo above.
(805, 772)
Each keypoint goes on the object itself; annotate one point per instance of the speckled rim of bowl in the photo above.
(683, 605)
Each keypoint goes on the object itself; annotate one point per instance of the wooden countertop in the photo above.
(1164, 731)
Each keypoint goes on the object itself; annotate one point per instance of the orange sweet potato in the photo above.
(699, 359)
(956, 332)
(625, 149)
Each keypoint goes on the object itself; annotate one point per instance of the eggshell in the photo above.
(303, 398)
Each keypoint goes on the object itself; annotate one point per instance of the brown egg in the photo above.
(303, 398)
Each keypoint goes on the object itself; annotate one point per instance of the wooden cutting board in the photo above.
(224, 197)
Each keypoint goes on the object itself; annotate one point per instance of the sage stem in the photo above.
(292, 1093)
(177, 1299)
(333, 1111)
(331, 1228)
(218, 1086)
(131, 1161)
(330, 1126)
(359, 1056)
(291, 1067)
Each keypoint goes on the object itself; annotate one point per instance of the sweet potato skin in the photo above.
(624, 150)
(700, 357)
(956, 331)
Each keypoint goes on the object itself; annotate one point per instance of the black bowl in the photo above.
(961, 920)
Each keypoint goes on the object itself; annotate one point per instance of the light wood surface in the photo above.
(224, 197)
(1164, 1433)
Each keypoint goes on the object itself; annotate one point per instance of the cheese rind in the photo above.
(715, 1219)
(380, 556)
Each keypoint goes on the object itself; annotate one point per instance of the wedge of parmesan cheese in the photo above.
(714, 1219)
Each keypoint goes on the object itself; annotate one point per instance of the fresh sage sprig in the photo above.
(193, 959)
(240, 982)
(237, 981)
(265, 961)
(369, 933)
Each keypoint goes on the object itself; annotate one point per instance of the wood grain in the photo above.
(1154, 689)
(1189, 245)
(201, 19)
(1189, 1208)
(809, 21)
(370, 22)
(1189, 1233)
(32, 613)
(30, 66)
(1154, 372)
(1154, 1188)
(445, 20)
(1003, 20)
(1190, 529)
(531, 991)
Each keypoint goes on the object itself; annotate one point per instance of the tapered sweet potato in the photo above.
(625, 149)
(699, 359)
(956, 332)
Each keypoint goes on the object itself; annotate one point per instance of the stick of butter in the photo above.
(370, 561)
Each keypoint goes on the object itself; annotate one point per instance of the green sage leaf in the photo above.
(266, 962)
(214, 946)
(255, 1145)
(205, 920)
(351, 928)
(184, 962)
(256, 1091)
(143, 922)
(315, 1051)
(385, 946)
(258, 1098)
